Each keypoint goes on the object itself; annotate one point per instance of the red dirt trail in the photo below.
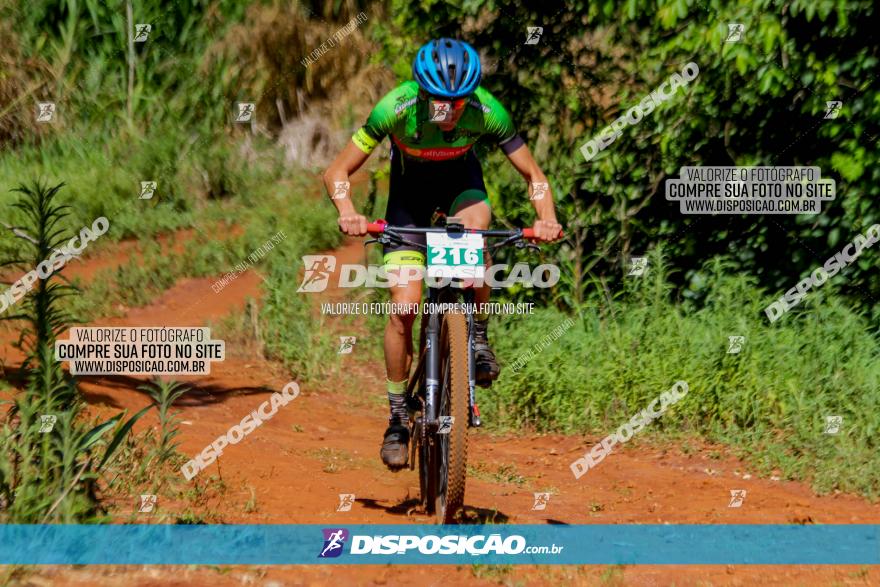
(292, 468)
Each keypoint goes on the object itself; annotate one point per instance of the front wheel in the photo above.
(451, 447)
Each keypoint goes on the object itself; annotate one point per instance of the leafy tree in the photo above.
(760, 101)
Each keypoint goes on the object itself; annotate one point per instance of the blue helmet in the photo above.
(447, 68)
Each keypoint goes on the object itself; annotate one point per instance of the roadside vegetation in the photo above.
(768, 402)
(52, 457)
(162, 111)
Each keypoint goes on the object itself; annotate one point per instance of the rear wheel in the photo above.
(450, 450)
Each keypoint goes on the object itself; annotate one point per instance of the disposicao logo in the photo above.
(334, 540)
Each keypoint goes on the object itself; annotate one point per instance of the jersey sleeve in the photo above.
(498, 122)
(382, 118)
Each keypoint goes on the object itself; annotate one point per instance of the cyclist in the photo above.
(433, 122)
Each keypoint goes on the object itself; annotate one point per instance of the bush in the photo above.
(769, 401)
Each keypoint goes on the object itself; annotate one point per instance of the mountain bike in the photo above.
(441, 392)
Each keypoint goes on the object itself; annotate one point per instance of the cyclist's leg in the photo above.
(408, 205)
(471, 204)
(407, 263)
(405, 298)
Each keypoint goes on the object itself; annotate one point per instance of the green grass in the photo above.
(501, 574)
(332, 460)
(768, 403)
(259, 198)
(504, 473)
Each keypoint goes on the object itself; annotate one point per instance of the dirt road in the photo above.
(293, 468)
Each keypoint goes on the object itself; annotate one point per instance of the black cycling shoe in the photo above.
(395, 453)
(487, 368)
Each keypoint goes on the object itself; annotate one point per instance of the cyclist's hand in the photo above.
(547, 230)
(352, 224)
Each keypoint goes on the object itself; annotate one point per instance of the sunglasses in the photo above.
(456, 104)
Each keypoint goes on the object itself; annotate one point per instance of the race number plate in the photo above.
(459, 255)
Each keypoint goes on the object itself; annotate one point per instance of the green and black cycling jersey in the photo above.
(406, 118)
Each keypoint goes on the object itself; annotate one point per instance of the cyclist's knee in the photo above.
(477, 215)
(403, 317)
(405, 304)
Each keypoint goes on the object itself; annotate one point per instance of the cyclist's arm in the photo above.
(339, 174)
(356, 152)
(343, 167)
(546, 227)
(523, 161)
(499, 125)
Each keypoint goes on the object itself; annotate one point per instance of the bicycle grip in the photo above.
(376, 228)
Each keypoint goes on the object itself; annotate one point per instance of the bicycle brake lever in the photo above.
(387, 239)
(527, 245)
(506, 242)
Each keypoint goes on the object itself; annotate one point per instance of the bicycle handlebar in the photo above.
(379, 226)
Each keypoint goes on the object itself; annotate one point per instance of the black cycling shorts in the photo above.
(419, 189)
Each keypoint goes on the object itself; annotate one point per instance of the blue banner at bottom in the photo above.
(424, 544)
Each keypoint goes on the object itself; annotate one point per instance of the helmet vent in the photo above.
(448, 68)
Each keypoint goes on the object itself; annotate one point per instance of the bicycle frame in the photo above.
(430, 360)
(430, 436)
